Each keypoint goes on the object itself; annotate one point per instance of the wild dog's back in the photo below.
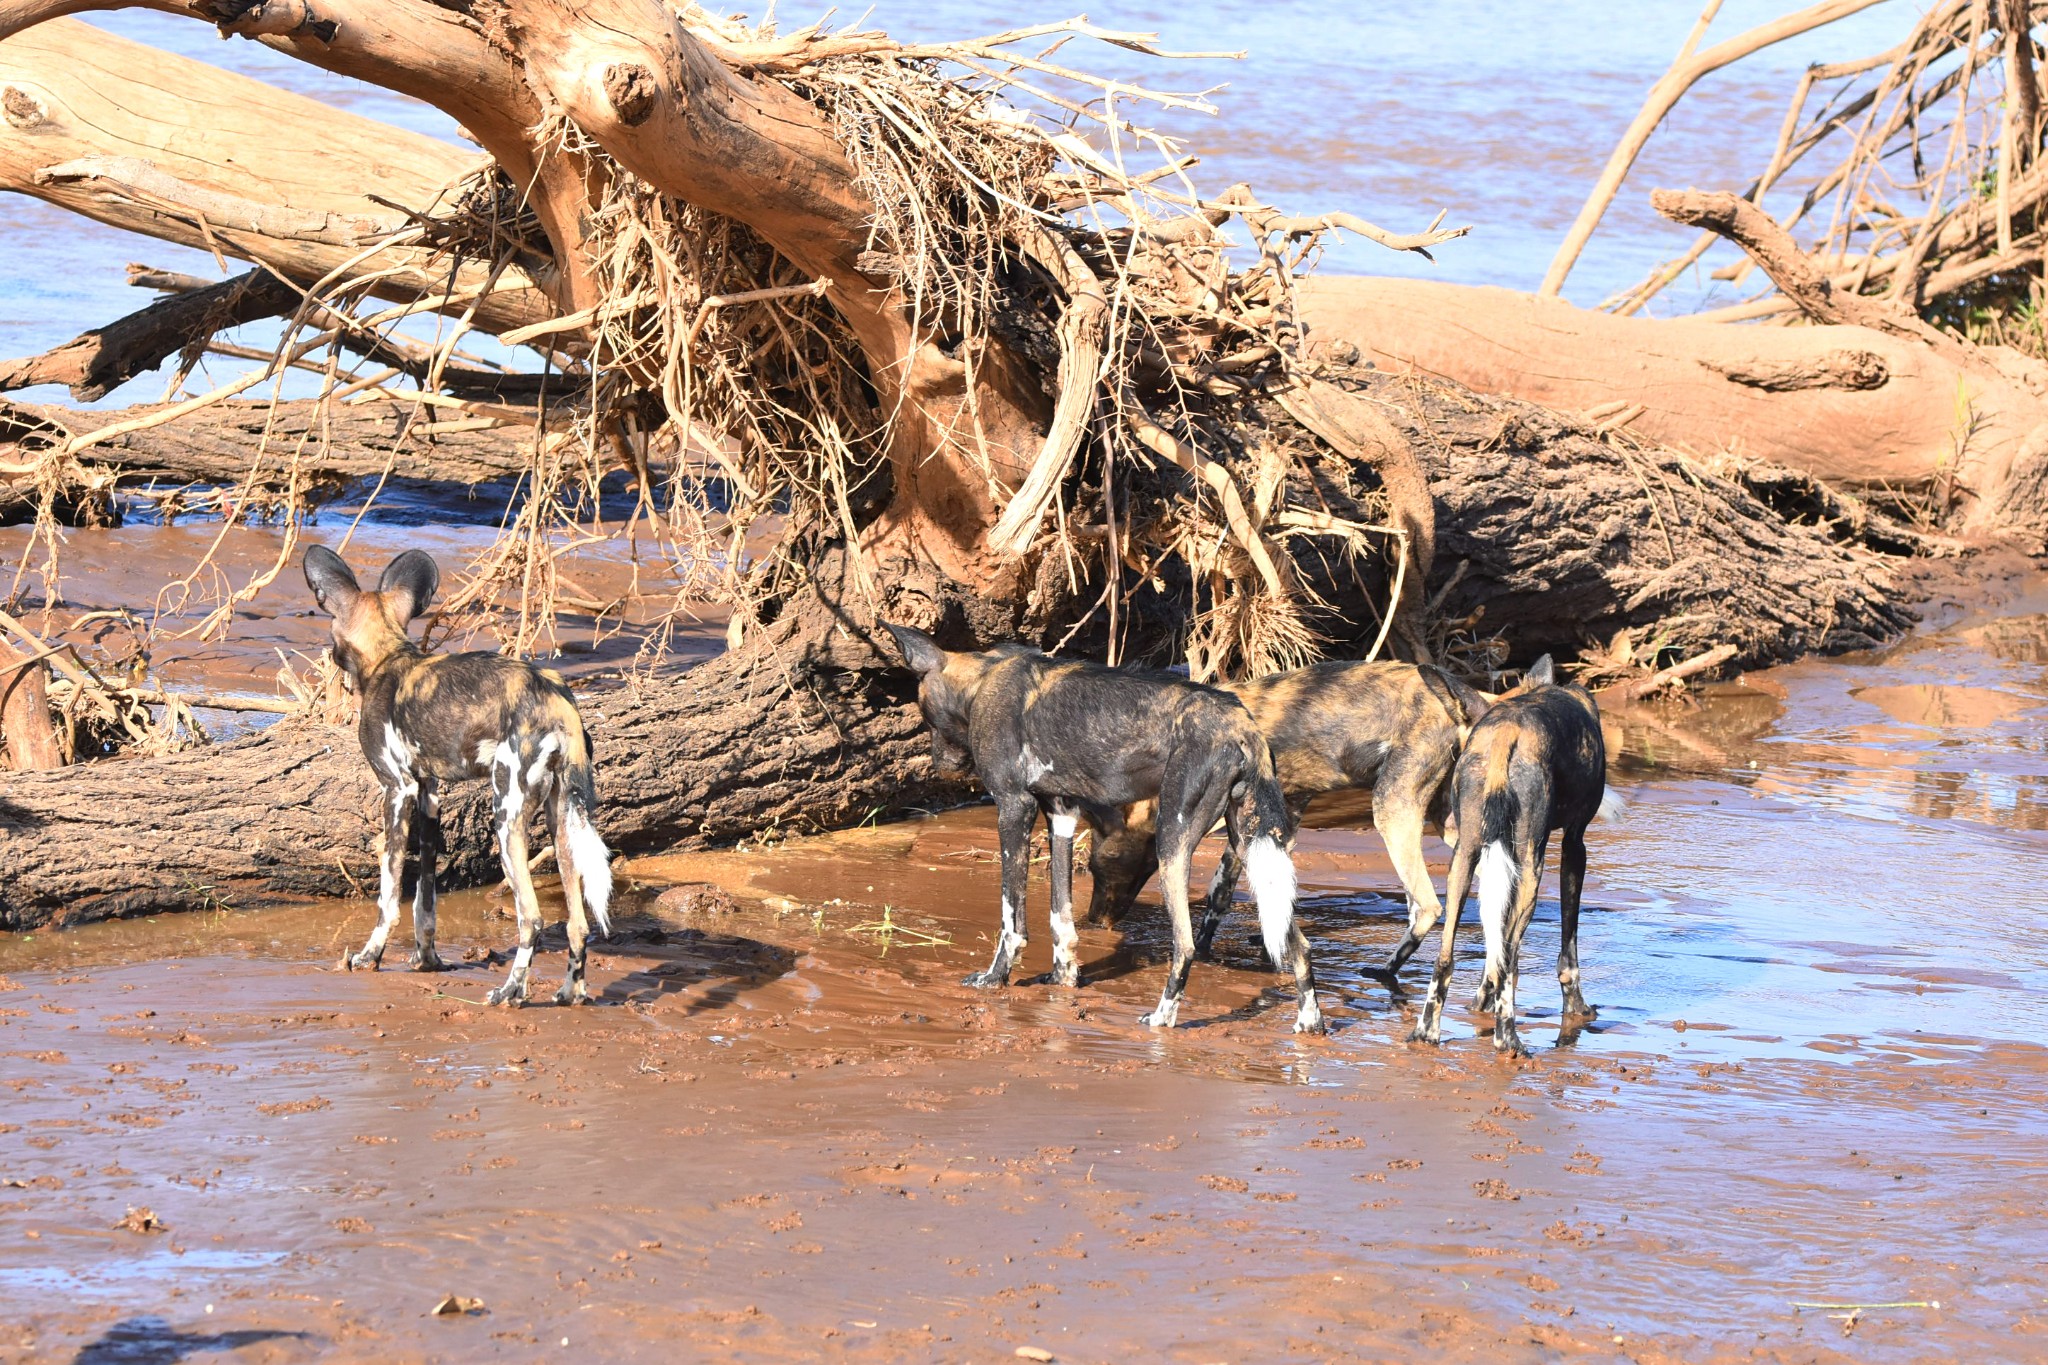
(1096, 735)
(459, 708)
(1542, 748)
(1333, 725)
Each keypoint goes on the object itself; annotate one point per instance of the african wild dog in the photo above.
(1536, 762)
(1390, 728)
(429, 719)
(1082, 740)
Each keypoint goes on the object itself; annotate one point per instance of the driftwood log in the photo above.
(718, 754)
(157, 144)
(220, 445)
(1864, 406)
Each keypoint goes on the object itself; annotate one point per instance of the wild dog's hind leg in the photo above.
(1014, 817)
(508, 815)
(572, 991)
(400, 797)
(1066, 944)
(1223, 886)
(1429, 1029)
(1400, 826)
(427, 845)
(1186, 813)
(1571, 877)
(1529, 877)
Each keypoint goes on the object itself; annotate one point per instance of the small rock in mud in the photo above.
(1493, 1189)
(142, 1220)
(452, 1305)
(1229, 1184)
(694, 898)
(352, 1225)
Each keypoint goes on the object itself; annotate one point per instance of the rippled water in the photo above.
(1501, 114)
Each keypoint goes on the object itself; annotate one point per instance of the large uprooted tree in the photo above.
(877, 329)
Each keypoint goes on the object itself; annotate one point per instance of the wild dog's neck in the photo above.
(370, 641)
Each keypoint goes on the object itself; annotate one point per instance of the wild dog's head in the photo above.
(946, 684)
(369, 627)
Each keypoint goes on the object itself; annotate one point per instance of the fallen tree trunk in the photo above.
(1555, 536)
(1864, 408)
(718, 754)
(105, 127)
(236, 443)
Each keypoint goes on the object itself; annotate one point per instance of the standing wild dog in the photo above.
(429, 719)
(1082, 740)
(1389, 728)
(1536, 762)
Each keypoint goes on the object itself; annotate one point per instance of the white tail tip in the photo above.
(1612, 807)
(1271, 873)
(593, 863)
(1497, 877)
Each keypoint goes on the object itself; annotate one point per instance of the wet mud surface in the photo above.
(787, 1131)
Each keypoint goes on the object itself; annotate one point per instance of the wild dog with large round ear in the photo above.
(429, 719)
(1081, 741)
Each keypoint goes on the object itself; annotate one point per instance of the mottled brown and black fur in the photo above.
(1389, 728)
(1536, 762)
(428, 719)
(1083, 741)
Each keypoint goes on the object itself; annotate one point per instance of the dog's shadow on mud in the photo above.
(675, 940)
(679, 938)
(151, 1340)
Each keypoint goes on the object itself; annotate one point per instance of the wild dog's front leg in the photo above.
(427, 845)
(1014, 817)
(400, 796)
(1173, 880)
(509, 817)
(1066, 944)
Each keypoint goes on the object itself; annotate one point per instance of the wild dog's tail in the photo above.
(1266, 864)
(582, 846)
(1612, 807)
(1498, 870)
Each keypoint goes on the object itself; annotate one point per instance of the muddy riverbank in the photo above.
(789, 1132)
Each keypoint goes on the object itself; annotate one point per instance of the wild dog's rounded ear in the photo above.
(410, 583)
(920, 650)
(334, 586)
(1542, 673)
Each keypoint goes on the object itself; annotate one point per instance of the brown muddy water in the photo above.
(787, 1132)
